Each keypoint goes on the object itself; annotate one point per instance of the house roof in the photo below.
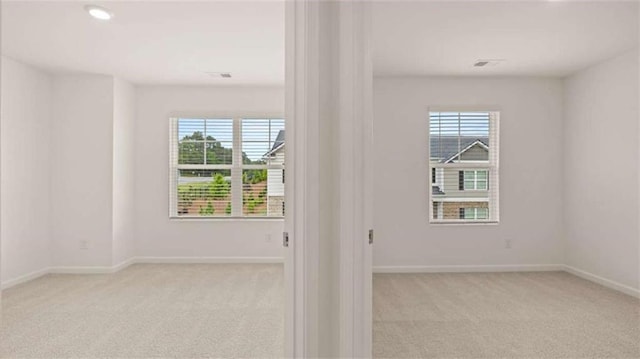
(445, 148)
(277, 144)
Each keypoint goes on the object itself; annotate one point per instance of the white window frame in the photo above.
(493, 168)
(236, 168)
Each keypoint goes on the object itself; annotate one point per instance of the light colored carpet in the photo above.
(502, 315)
(148, 311)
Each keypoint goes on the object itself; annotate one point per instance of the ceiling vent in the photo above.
(488, 62)
(225, 75)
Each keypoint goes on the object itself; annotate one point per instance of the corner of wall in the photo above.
(563, 221)
(26, 98)
(609, 89)
(123, 157)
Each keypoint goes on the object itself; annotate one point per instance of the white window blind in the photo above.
(464, 167)
(263, 162)
(223, 167)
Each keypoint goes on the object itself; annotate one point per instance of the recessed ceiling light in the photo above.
(98, 12)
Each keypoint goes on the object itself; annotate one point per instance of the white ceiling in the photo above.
(151, 43)
(550, 38)
(169, 42)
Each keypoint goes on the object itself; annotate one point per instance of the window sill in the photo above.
(465, 223)
(226, 219)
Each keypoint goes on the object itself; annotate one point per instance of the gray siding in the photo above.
(475, 153)
(450, 187)
(275, 187)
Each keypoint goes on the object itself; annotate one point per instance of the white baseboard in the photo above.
(378, 269)
(511, 268)
(469, 268)
(163, 260)
(209, 260)
(603, 281)
(126, 263)
(93, 269)
(81, 270)
(24, 278)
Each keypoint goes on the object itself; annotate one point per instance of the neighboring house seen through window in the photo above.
(463, 162)
(229, 167)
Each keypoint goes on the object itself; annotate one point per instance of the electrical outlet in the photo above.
(507, 243)
(267, 238)
(84, 245)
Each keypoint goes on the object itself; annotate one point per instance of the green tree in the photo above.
(208, 210)
(227, 210)
(251, 205)
(254, 176)
(191, 150)
(219, 188)
(186, 195)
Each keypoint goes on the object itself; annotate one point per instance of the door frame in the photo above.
(301, 270)
(356, 178)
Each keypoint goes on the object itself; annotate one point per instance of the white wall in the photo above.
(601, 170)
(156, 235)
(81, 170)
(26, 121)
(530, 173)
(124, 112)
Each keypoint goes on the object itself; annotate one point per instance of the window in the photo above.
(463, 162)
(474, 213)
(228, 167)
(474, 180)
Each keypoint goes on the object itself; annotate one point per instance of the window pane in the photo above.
(263, 141)
(220, 129)
(219, 153)
(205, 141)
(262, 193)
(190, 152)
(253, 153)
(481, 183)
(191, 129)
(482, 213)
(459, 136)
(469, 180)
(204, 193)
(469, 213)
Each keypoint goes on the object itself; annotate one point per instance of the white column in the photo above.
(328, 189)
